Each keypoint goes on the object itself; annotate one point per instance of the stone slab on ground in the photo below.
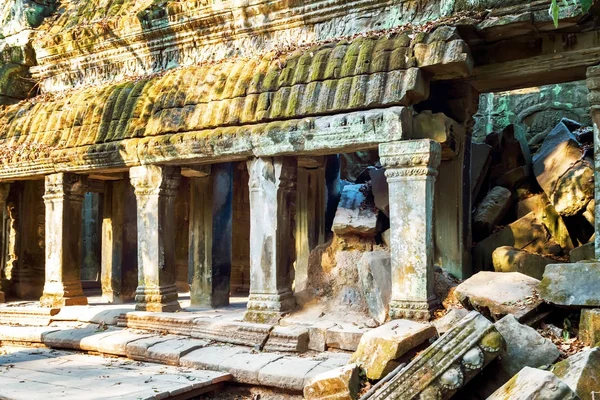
(584, 252)
(338, 384)
(108, 316)
(380, 347)
(589, 326)
(573, 284)
(375, 273)
(173, 323)
(287, 373)
(24, 335)
(137, 350)
(333, 361)
(245, 367)
(581, 372)
(446, 323)
(211, 357)
(29, 316)
(497, 294)
(531, 383)
(288, 338)
(117, 344)
(511, 259)
(170, 352)
(525, 347)
(233, 332)
(60, 374)
(351, 216)
(70, 338)
(346, 337)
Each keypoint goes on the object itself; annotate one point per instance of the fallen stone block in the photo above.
(317, 335)
(448, 364)
(545, 212)
(497, 294)
(480, 165)
(581, 253)
(287, 373)
(581, 372)
(491, 210)
(514, 178)
(380, 347)
(510, 259)
(338, 384)
(332, 361)
(234, 332)
(375, 273)
(562, 171)
(69, 338)
(571, 284)
(446, 323)
(354, 215)
(527, 233)
(117, 344)
(531, 383)
(380, 189)
(589, 326)
(24, 335)
(344, 337)
(288, 338)
(525, 347)
(137, 350)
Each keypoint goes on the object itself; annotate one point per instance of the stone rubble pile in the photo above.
(534, 327)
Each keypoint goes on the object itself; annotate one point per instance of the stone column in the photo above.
(64, 203)
(210, 236)
(310, 214)
(593, 84)
(155, 188)
(119, 243)
(4, 188)
(92, 234)
(272, 197)
(411, 168)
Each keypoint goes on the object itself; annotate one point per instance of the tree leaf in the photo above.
(554, 12)
(585, 5)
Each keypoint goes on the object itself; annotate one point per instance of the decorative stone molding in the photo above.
(411, 168)
(154, 180)
(448, 364)
(63, 186)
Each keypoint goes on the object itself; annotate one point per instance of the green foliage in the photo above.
(555, 8)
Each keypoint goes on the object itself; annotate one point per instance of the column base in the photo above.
(160, 299)
(269, 308)
(414, 309)
(57, 294)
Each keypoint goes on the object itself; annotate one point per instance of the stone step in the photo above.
(27, 316)
(245, 364)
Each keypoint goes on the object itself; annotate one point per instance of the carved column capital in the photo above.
(150, 180)
(410, 158)
(65, 185)
(281, 171)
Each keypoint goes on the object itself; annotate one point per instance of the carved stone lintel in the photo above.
(272, 185)
(448, 364)
(411, 168)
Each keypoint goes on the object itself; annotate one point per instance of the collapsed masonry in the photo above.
(174, 112)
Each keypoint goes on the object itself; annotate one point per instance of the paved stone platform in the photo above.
(49, 374)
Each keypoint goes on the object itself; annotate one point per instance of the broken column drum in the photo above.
(64, 206)
(155, 188)
(411, 168)
(272, 196)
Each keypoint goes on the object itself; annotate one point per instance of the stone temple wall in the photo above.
(536, 110)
